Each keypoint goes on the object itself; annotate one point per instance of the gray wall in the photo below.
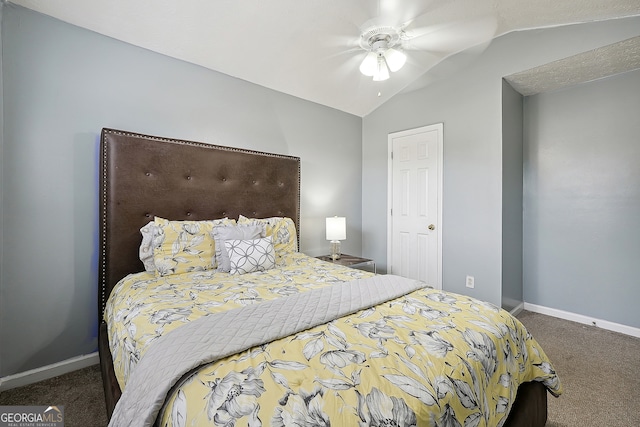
(62, 85)
(582, 199)
(512, 142)
(469, 103)
(2, 295)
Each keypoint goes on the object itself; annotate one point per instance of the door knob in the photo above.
(432, 227)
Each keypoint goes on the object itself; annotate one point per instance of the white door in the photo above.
(415, 206)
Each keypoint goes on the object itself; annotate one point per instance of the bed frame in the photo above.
(144, 176)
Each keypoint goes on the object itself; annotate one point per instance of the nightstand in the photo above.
(352, 261)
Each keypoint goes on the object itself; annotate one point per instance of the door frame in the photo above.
(440, 160)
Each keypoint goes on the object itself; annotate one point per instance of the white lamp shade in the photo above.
(395, 59)
(369, 64)
(336, 228)
(382, 71)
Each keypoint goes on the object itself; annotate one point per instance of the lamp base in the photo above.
(335, 250)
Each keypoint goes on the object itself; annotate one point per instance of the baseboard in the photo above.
(49, 371)
(517, 309)
(604, 324)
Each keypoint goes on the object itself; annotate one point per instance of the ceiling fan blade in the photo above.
(451, 37)
(446, 66)
(342, 41)
(395, 13)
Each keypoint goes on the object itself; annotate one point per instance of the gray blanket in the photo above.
(184, 349)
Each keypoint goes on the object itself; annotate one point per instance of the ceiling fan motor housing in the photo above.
(379, 38)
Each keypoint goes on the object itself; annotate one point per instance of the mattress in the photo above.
(427, 356)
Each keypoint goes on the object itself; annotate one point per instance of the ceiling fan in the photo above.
(383, 55)
(434, 32)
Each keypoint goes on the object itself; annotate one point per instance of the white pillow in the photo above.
(236, 232)
(281, 229)
(247, 256)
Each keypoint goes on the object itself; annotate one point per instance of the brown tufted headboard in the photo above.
(144, 176)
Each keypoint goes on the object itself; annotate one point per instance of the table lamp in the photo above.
(336, 231)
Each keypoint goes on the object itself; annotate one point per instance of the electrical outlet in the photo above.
(470, 282)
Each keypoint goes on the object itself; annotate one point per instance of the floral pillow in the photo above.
(184, 246)
(237, 232)
(281, 229)
(151, 238)
(248, 256)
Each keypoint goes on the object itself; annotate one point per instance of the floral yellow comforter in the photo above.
(142, 306)
(427, 358)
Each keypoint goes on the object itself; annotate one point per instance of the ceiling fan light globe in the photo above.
(369, 65)
(382, 71)
(395, 59)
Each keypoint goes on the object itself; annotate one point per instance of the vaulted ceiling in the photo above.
(311, 49)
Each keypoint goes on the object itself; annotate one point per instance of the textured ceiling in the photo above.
(309, 48)
(585, 67)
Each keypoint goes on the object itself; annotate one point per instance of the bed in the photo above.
(389, 356)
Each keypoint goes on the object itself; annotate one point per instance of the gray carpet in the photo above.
(600, 371)
(80, 392)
